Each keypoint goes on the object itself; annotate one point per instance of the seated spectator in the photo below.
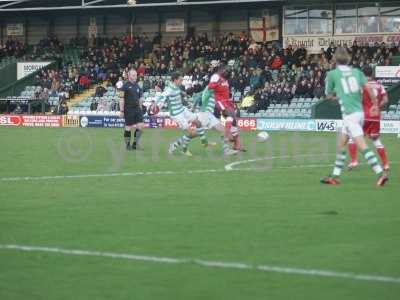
(141, 70)
(302, 88)
(286, 95)
(100, 91)
(63, 108)
(255, 79)
(319, 90)
(93, 105)
(260, 100)
(277, 62)
(84, 81)
(114, 105)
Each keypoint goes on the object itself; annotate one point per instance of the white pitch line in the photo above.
(152, 173)
(207, 263)
(228, 168)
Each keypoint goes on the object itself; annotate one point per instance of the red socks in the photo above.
(353, 152)
(382, 155)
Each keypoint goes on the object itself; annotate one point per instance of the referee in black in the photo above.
(131, 108)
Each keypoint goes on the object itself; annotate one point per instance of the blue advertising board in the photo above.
(117, 122)
(285, 124)
(91, 121)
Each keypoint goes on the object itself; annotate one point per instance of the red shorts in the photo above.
(372, 128)
(225, 105)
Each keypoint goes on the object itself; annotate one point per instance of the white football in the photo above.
(262, 136)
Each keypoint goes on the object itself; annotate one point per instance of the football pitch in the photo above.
(82, 218)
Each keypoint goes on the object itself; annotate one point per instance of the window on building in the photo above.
(346, 19)
(390, 19)
(320, 21)
(367, 18)
(295, 21)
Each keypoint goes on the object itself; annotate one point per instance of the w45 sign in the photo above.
(327, 125)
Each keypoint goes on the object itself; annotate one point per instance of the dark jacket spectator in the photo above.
(93, 106)
(100, 91)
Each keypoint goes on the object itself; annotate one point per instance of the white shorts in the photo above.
(184, 119)
(353, 124)
(207, 119)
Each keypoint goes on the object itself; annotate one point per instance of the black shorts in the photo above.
(133, 116)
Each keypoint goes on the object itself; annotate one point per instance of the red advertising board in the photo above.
(246, 124)
(169, 123)
(41, 121)
(10, 120)
(30, 121)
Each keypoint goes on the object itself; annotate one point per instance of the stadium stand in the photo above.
(280, 82)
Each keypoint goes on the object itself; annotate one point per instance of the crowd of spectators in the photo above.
(12, 48)
(265, 71)
(278, 75)
(48, 48)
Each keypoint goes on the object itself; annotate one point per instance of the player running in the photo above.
(184, 118)
(347, 83)
(220, 86)
(372, 123)
(206, 102)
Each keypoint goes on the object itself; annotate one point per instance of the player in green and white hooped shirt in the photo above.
(184, 118)
(347, 83)
(206, 102)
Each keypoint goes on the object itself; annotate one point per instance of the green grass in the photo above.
(278, 215)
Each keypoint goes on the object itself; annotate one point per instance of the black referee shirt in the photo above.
(132, 94)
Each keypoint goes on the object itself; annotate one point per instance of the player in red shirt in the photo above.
(372, 124)
(219, 84)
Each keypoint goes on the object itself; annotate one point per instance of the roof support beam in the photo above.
(88, 5)
(13, 3)
(92, 2)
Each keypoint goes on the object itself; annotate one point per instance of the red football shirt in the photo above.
(220, 86)
(379, 92)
